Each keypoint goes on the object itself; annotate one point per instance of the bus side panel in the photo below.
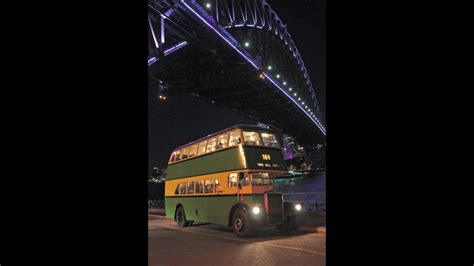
(221, 161)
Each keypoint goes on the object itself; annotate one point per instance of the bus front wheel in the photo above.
(181, 218)
(241, 223)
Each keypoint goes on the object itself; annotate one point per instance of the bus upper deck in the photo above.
(238, 147)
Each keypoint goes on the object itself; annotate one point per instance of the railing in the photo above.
(156, 204)
(312, 201)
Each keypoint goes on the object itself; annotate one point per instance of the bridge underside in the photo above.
(230, 82)
(207, 67)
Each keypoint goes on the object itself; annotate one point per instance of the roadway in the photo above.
(218, 245)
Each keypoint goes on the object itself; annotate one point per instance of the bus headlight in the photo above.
(256, 210)
(298, 207)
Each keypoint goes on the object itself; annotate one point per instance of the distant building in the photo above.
(157, 176)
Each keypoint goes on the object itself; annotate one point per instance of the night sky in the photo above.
(182, 119)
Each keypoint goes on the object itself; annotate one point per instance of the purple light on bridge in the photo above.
(175, 48)
(152, 60)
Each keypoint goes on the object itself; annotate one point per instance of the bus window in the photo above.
(270, 140)
(211, 145)
(234, 138)
(222, 141)
(176, 192)
(251, 138)
(218, 186)
(233, 180)
(182, 188)
(261, 179)
(208, 186)
(190, 189)
(193, 150)
(172, 157)
(199, 187)
(178, 156)
(246, 181)
(202, 147)
(185, 153)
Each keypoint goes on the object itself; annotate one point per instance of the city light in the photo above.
(290, 89)
(284, 82)
(299, 99)
(303, 103)
(278, 76)
(208, 5)
(261, 76)
(269, 67)
(298, 207)
(294, 94)
(246, 44)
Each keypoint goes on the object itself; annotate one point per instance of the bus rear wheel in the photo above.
(241, 223)
(181, 217)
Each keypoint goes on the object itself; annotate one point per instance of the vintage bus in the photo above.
(227, 178)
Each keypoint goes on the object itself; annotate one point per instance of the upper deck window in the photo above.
(193, 150)
(173, 155)
(185, 153)
(222, 141)
(211, 145)
(252, 138)
(178, 156)
(234, 138)
(270, 140)
(202, 147)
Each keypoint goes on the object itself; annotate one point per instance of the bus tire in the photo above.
(181, 217)
(241, 223)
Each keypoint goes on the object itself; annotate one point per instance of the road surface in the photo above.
(217, 245)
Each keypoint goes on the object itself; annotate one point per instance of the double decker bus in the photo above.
(227, 178)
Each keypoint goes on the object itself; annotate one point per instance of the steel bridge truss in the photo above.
(248, 27)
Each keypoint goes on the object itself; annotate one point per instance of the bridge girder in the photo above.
(207, 67)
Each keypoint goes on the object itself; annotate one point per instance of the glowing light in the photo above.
(278, 76)
(261, 76)
(208, 5)
(303, 103)
(294, 93)
(299, 99)
(298, 207)
(246, 44)
(290, 89)
(284, 82)
(269, 67)
(256, 210)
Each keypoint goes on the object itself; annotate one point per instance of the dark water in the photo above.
(314, 182)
